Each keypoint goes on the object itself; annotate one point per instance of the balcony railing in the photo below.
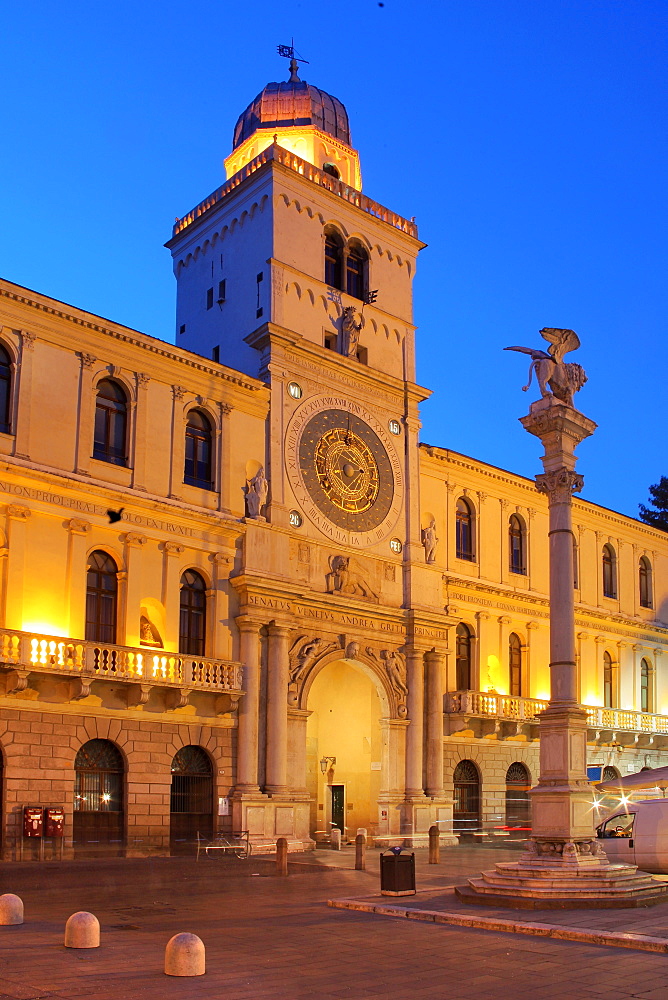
(43, 653)
(488, 705)
(312, 173)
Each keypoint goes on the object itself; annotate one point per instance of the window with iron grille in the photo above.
(111, 415)
(192, 781)
(198, 469)
(101, 598)
(98, 785)
(5, 390)
(192, 627)
(518, 803)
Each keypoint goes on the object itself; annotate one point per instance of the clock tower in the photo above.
(289, 273)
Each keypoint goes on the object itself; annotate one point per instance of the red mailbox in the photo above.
(33, 821)
(54, 822)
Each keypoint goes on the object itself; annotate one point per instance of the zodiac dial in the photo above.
(346, 470)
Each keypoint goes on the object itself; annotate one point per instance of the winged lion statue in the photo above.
(564, 378)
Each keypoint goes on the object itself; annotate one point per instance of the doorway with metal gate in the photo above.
(99, 819)
(466, 811)
(338, 806)
(191, 799)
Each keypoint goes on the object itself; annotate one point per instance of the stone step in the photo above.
(556, 892)
(555, 871)
(627, 878)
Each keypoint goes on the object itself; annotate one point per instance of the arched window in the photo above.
(608, 681)
(464, 541)
(101, 598)
(333, 260)
(192, 625)
(463, 658)
(515, 664)
(610, 773)
(609, 572)
(199, 450)
(331, 169)
(645, 582)
(646, 692)
(466, 805)
(191, 799)
(5, 391)
(111, 418)
(98, 796)
(517, 545)
(518, 803)
(356, 268)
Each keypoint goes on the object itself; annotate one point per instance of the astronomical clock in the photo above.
(344, 469)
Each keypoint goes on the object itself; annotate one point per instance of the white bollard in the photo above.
(335, 838)
(185, 956)
(11, 909)
(82, 930)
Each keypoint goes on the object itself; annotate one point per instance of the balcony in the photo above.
(489, 713)
(24, 654)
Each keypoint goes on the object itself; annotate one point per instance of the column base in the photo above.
(562, 874)
(268, 817)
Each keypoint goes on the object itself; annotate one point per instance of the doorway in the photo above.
(337, 805)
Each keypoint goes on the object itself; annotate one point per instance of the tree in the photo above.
(659, 498)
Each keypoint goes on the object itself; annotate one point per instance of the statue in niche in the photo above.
(343, 580)
(148, 633)
(430, 541)
(351, 332)
(563, 378)
(257, 490)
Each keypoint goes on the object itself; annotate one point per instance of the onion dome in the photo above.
(294, 102)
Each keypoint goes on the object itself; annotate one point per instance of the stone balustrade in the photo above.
(490, 705)
(50, 654)
(311, 173)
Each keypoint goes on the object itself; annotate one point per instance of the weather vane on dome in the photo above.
(288, 51)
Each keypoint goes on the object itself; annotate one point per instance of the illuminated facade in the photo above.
(302, 617)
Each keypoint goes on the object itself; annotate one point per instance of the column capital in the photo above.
(87, 360)
(78, 527)
(246, 624)
(278, 629)
(135, 539)
(172, 548)
(28, 338)
(482, 616)
(226, 409)
(503, 620)
(559, 484)
(533, 625)
(17, 512)
(143, 380)
(179, 391)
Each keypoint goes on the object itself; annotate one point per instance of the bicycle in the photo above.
(235, 843)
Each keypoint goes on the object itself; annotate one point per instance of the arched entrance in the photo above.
(518, 803)
(191, 799)
(344, 750)
(466, 811)
(98, 798)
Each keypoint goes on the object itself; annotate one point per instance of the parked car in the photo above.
(637, 834)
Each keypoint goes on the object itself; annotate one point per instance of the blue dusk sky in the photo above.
(527, 138)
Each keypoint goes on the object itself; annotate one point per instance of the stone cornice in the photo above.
(90, 321)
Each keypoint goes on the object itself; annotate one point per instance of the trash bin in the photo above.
(397, 873)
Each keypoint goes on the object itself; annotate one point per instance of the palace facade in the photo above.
(238, 593)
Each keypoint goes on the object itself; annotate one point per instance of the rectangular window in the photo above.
(209, 298)
(182, 328)
(221, 291)
(330, 341)
(215, 354)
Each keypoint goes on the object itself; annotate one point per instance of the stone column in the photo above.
(84, 440)
(225, 459)
(415, 731)
(249, 706)
(75, 577)
(171, 593)
(434, 742)
(141, 442)
(480, 672)
(25, 396)
(278, 673)
(178, 450)
(17, 529)
(561, 803)
(134, 543)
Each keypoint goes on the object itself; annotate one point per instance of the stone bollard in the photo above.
(185, 956)
(281, 856)
(434, 845)
(360, 853)
(82, 930)
(335, 839)
(11, 909)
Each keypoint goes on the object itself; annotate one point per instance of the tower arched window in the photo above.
(646, 691)
(609, 571)
(515, 664)
(111, 420)
(101, 598)
(464, 534)
(645, 582)
(192, 619)
(333, 260)
(356, 269)
(198, 469)
(463, 658)
(5, 390)
(609, 693)
(517, 545)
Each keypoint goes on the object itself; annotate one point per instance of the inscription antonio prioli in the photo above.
(84, 507)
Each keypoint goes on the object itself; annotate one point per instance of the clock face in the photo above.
(346, 470)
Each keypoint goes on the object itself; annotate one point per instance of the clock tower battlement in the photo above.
(290, 240)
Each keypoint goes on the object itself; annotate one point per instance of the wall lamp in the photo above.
(326, 763)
